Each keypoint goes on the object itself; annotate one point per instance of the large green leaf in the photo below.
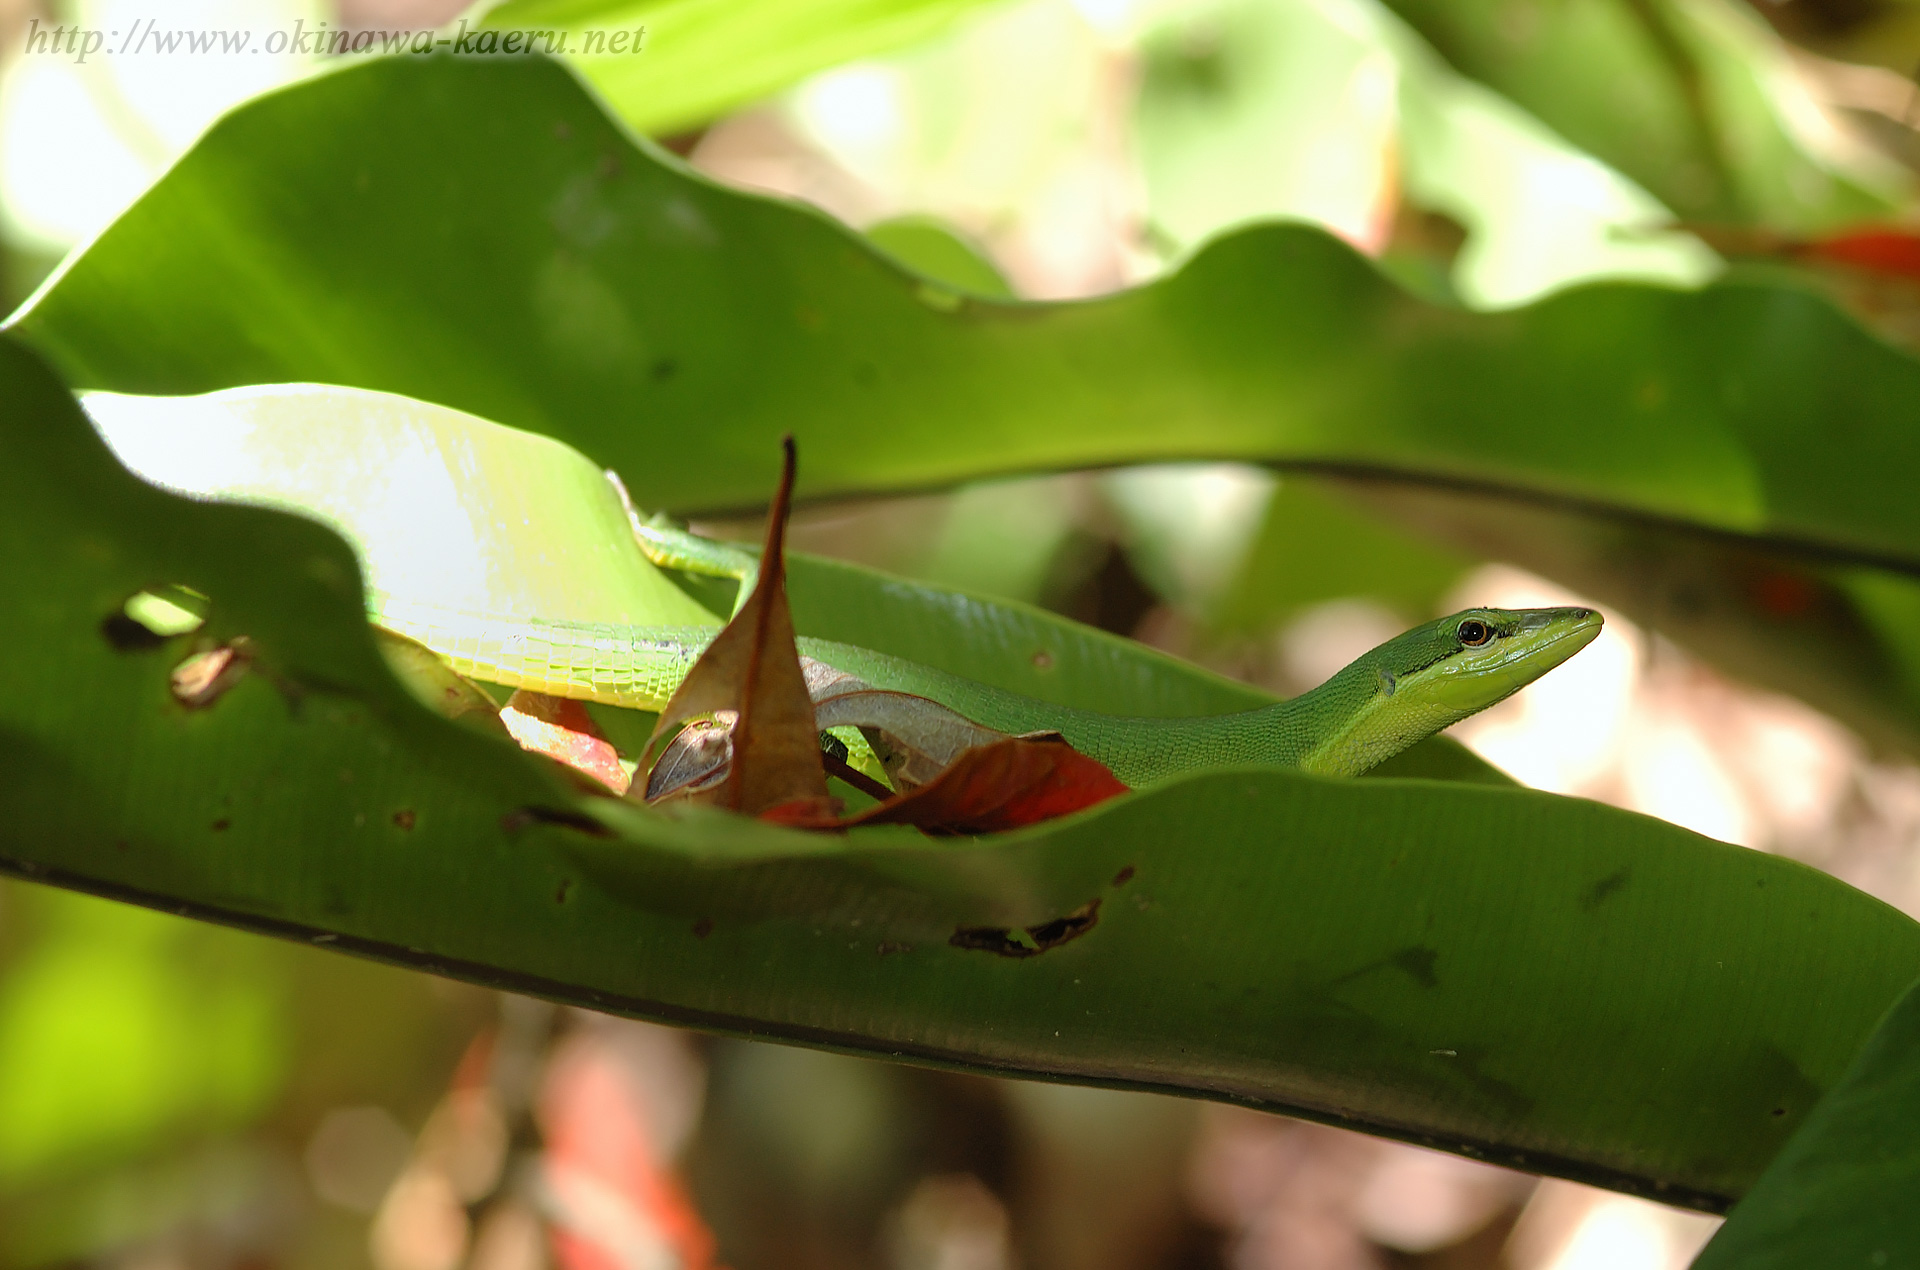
(547, 272)
(1437, 961)
(1841, 1191)
(447, 510)
(467, 516)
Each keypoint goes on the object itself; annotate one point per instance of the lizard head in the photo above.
(1472, 659)
(1435, 675)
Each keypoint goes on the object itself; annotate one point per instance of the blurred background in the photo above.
(176, 1095)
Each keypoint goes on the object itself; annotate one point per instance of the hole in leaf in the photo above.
(1031, 941)
(152, 617)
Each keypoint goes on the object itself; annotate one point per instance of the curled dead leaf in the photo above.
(752, 669)
(695, 761)
(754, 715)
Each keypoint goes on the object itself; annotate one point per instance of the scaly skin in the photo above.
(1404, 691)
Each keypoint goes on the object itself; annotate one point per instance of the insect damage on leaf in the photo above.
(150, 618)
(204, 678)
(1029, 941)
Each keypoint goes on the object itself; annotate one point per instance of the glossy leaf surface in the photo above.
(1439, 962)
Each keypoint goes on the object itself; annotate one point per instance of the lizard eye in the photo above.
(1474, 632)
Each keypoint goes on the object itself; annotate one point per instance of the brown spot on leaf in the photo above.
(1124, 876)
(222, 825)
(703, 928)
(204, 678)
(404, 818)
(1009, 942)
(1603, 890)
(1418, 964)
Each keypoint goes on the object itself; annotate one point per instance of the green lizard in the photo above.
(1405, 690)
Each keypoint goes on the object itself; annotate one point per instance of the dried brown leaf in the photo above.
(753, 669)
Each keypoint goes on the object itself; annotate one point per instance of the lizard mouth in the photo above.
(1541, 640)
(1552, 635)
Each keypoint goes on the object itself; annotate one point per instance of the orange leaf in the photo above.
(561, 729)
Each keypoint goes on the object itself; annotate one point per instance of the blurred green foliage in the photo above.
(701, 57)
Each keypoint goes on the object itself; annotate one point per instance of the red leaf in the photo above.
(561, 728)
(1885, 251)
(1010, 783)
